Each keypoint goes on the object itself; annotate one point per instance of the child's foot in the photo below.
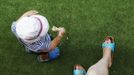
(43, 57)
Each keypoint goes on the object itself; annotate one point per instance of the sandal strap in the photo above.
(110, 45)
(77, 72)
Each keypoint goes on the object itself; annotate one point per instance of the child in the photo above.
(31, 29)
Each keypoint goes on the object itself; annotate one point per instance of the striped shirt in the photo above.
(42, 44)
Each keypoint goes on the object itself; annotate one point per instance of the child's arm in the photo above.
(57, 39)
(29, 13)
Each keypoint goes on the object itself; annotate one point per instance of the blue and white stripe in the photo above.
(42, 44)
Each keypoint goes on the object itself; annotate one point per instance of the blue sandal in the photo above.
(77, 72)
(110, 45)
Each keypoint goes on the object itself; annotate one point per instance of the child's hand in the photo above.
(31, 12)
(61, 31)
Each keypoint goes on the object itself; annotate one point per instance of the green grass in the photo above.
(87, 23)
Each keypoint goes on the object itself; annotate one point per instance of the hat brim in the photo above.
(45, 28)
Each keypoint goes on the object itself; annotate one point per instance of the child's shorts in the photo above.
(54, 53)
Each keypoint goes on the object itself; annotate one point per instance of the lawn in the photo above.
(87, 23)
